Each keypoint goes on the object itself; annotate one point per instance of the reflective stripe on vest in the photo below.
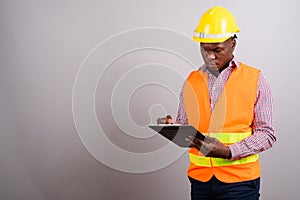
(228, 138)
(205, 161)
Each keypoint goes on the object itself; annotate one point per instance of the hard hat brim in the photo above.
(210, 40)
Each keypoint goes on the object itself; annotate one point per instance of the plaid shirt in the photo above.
(263, 136)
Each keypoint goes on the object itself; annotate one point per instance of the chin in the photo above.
(214, 67)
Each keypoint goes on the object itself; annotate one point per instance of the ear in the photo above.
(233, 44)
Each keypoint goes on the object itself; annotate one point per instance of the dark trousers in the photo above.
(217, 190)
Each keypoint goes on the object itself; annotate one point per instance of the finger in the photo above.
(198, 141)
(194, 145)
(210, 140)
(189, 138)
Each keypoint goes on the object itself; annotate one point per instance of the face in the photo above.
(216, 55)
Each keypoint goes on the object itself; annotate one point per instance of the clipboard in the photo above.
(177, 133)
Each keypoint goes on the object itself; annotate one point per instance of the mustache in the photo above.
(210, 63)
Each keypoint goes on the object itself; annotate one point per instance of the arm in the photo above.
(181, 114)
(263, 136)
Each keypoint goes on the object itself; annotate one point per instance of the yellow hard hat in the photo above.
(216, 25)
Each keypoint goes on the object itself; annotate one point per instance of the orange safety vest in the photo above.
(230, 121)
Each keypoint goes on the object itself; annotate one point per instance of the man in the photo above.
(231, 103)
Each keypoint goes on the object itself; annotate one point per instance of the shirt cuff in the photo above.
(235, 151)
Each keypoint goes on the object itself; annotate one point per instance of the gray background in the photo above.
(43, 44)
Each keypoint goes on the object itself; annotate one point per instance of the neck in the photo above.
(225, 66)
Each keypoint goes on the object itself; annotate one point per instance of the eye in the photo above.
(217, 50)
(203, 50)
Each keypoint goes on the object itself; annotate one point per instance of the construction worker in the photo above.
(232, 104)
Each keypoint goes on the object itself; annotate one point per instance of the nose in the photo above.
(211, 55)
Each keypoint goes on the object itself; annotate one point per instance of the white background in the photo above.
(43, 44)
